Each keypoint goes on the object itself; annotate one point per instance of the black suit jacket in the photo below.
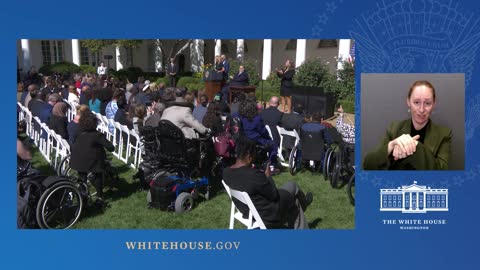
(88, 152)
(262, 191)
(272, 117)
(173, 69)
(292, 121)
(240, 79)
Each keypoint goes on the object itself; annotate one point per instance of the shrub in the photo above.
(183, 81)
(195, 86)
(88, 69)
(65, 68)
(250, 66)
(131, 73)
(269, 90)
(347, 105)
(311, 73)
(163, 80)
(153, 76)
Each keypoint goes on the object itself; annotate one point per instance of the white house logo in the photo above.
(414, 199)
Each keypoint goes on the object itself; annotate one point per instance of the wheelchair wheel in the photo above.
(337, 173)
(325, 163)
(351, 189)
(59, 207)
(184, 202)
(65, 170)
(292, 161)
(331, 161)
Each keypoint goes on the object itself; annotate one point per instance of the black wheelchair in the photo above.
(46, 202)
(339, 162)
(182, 166)
(308, 152)
(111, 178)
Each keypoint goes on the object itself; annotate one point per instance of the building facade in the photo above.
(414, 199)
(268, 53)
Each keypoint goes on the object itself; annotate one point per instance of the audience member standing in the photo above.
(172, 72)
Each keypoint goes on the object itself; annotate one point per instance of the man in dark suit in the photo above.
(172, 71)
(226, 67)
(240, 79)
(293, 121)
(272, 117)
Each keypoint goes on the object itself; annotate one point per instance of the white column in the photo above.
(417, 201)
(218, 47)
(197, 54)
(27, 61)
(76, 51)
(343, 51)
(119, 64)
(158, 54)
(410, 196)
(240, 49)
(267, 58)
(403, 200)
(301, 52)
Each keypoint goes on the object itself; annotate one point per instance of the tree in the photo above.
(97, 45)
(177, 48)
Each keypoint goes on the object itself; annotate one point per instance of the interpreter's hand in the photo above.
(403, 146)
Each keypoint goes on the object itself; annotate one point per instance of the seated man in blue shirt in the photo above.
(313, 136)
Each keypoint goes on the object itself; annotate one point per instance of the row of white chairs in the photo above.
(127, 146)
(50, 144)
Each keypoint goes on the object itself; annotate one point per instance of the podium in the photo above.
(213, 83)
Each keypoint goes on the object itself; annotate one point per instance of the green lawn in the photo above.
(128, 209)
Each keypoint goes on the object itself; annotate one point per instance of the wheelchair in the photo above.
(339, 161)
(175, 169)
(51, 202)
(111, 178)
(308, 152)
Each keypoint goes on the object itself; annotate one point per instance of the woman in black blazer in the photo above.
(58, 121)
(88, 152)
(286, 75)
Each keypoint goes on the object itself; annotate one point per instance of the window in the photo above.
(327, 43)
(291, 45)
(58, 51)
(84, 58)
(129, 54)
(46, 52)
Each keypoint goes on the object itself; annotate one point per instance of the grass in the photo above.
(128, 209)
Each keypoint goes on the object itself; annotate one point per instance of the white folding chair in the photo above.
(137, 147)
(118, 142)
(254, 221)
(106, 129)
(282, 132)
(28, 120)
(125, 135)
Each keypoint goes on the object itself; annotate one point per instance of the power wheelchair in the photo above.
(175, 170)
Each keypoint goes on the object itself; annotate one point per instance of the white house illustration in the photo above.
(414, 199)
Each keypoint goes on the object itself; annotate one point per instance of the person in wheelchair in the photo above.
(254, 129)
(276, 206)
(313, 137)
(180, 114)
(88, 154)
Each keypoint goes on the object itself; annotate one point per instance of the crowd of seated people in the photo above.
(142, 103)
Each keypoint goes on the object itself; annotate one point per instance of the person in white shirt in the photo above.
(102, 69)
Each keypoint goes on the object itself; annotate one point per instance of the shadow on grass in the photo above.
(314, 223)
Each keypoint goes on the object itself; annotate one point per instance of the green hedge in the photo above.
(347, 105)
(183, 81)
(195, 86)
(250, 66)
(163, 80)
(88, 69)
(269, 89)
(60, 67)
(131, 73)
